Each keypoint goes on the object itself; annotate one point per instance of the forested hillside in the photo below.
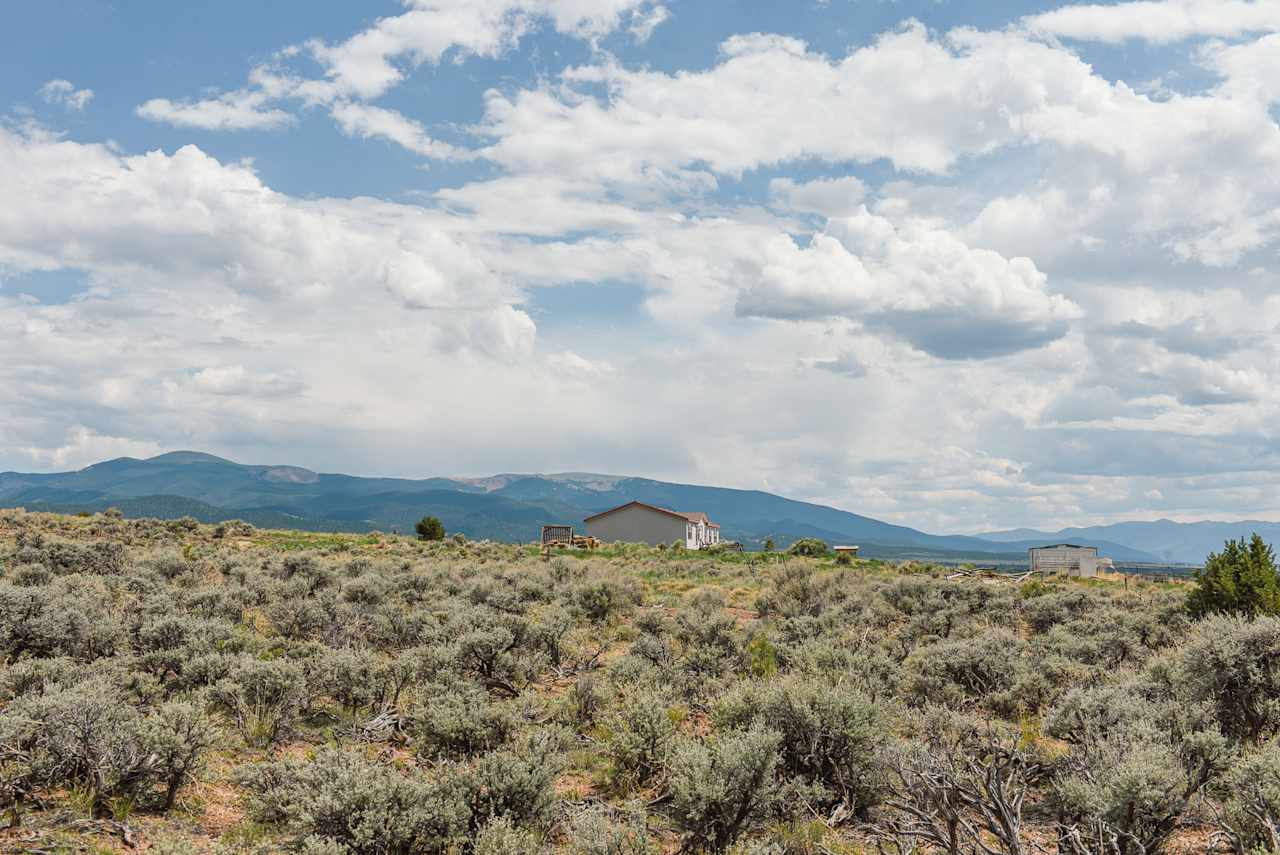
(510, 508)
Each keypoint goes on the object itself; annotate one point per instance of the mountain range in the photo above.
(513, 507)
(1169, 541)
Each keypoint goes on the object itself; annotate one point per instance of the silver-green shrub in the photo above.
(723, 788)
(1250, 793)
(262, 697)
(638, 738)
(458, 721)
(343, 799)
(831, 736)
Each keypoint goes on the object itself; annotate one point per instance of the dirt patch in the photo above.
(576, 786)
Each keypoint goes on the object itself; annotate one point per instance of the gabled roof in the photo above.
(695, 517)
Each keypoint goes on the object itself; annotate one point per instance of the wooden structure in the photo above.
(992, 573)
(562, 537)
(851, 551)
(557, 535)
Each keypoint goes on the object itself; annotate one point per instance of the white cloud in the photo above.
(920, 103)
(922, 283)
(846, 365)
(64, 93)
(225, 314)
(1251, 70)
(367, 65)
(579, 367)
(364, 66)
(644, 22)
(240, 381)
(363, 120)
(504, 333)
(1114, 247)
(1159, 21)
(82, 446)
(244, 109)
(831, 197)
(157, 220)
(1136, 163)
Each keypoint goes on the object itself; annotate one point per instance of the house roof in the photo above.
(1063, 546)
(695, 517)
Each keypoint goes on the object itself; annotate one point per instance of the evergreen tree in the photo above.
(1239, 580)
(430, 528)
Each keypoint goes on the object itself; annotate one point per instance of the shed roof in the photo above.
(695, 517)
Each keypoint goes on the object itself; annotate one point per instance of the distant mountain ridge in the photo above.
(1174, 542)
(509, 507)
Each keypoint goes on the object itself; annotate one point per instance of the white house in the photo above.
(637, 522)
(1066, 558)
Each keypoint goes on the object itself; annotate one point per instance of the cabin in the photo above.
(1066, 559)
(638, 522)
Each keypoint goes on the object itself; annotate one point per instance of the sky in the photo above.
(958, 264)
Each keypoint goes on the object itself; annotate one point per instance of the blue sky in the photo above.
(962, 265)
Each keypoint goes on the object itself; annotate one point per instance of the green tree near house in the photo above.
(1241, 579)
(430, 528)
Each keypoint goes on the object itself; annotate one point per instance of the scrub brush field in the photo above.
(170, 687)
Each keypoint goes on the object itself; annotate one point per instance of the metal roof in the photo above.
(696, 516)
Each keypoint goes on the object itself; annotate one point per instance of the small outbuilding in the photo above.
(1066, 559)
(637, 522)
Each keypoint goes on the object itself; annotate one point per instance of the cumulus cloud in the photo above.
(188, 217)
(1250, 70)
(365, 66)
(1197, 336)
(241, 110)
(580, 367)
(240, 381)
(921, 283)
(921, 103)
(215, 299)
(846, 365)
(1186, 178)
(644, 22)
(1158, 21)
(370, 63)
(1129, 163)
(65, 94)
(831, 197)
(503, 333)
(1113, 246)
(366, 121)
(82, 446)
